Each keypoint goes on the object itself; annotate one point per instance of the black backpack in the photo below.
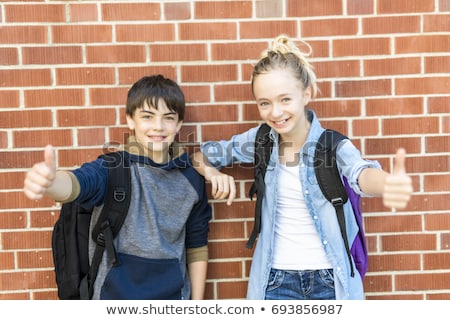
(70, 239)
(333, 188)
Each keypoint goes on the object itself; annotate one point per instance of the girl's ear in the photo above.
(307, 94)
(130, 122)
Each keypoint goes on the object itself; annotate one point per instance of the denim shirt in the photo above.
(239, 149)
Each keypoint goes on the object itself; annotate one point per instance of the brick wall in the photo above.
(384, 75)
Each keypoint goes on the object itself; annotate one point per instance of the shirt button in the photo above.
(325, 242)
(306, 192)
(316, 217)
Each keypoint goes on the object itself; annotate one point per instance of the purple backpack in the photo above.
(338, 194)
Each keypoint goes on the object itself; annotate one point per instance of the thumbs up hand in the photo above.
(398, 185)
(41, 176)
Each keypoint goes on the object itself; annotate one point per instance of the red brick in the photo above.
(86, 117)
(213, 113)
(357, 7)
(26, 119)
(35, 138)
(23, 35)
(422, 85)
(384, 67)
(27, 280)
(422, 43)
(25, 78)
(391, 24)
(35, 13)
(35, 259)
(9, 56)
(363, 88)
(52, 55)
(115, 54)
(267, 29)
(145, 32)
(54, 97)
(129, 75)
(422, 281)
(306, 8)
(179, 52)
(177, 11)
(437, 144)
(394, 106)
(223, 9)
(81, 33)
(207, 31)
(329, 27)
(83, 12)
(85, 76)
(409, 125)
(9, 99)
(405, 6)
(361, 47)
(130, 11)
(209, 73)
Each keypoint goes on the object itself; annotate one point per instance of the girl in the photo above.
(300, 253)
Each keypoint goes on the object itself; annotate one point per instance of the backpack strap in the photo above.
(263, 149)
(329, 180)
(112, 216)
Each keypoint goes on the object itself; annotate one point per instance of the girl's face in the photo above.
(155, 130)
(281, 101)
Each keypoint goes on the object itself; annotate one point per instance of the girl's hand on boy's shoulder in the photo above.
(398, 185)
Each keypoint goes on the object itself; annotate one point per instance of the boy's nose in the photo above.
(157, 123)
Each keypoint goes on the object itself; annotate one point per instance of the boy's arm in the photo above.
(222, 185)
(43, 179)
(197, 274)
(197, 259)
(395, 188)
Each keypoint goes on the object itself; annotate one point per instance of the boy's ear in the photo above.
(130, 122)
(179, 125)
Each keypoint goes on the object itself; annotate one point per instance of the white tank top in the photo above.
(297, 245)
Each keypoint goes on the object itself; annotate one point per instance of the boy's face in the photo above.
(155, 129)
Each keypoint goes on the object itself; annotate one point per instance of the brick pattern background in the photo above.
(384, 74)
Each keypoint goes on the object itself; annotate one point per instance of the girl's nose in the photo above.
(276, 110)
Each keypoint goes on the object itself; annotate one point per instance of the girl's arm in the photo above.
(222, 185)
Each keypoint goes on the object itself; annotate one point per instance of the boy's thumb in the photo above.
(49, 157)
(399, 162)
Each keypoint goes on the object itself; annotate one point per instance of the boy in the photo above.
(167, 224)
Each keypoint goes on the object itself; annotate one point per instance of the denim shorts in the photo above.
(300, 285)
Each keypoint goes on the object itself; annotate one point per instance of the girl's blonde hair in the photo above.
(284, 54)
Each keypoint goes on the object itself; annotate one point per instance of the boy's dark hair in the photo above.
(152, 88)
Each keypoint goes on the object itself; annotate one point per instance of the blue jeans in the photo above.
(300, 285)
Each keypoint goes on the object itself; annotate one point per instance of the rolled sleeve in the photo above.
(351, 164)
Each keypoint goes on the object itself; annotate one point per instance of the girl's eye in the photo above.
(286, 99)
(263, 104)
